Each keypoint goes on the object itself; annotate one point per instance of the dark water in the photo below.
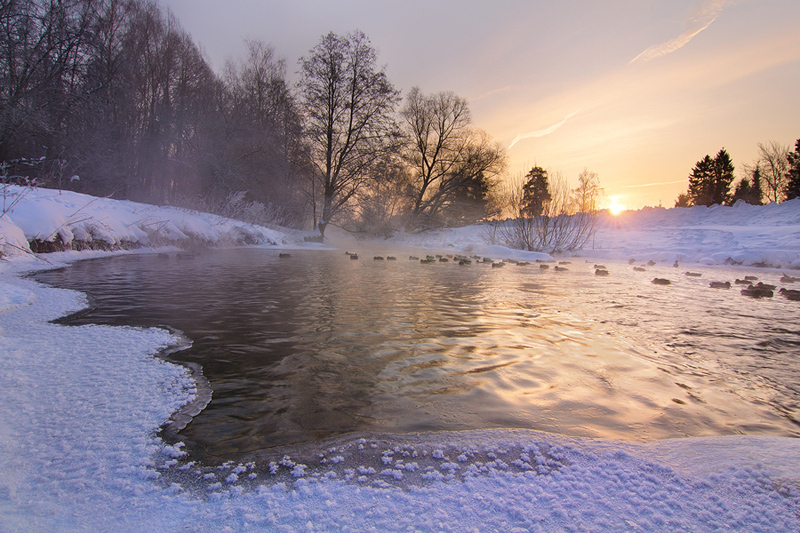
(317, 345)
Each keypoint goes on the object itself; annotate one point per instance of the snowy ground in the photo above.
(81, 405)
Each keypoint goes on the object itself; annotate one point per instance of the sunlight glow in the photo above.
(616, 207)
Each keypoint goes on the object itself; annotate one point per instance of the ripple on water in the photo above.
(318, 345)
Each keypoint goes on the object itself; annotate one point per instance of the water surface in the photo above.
(316, 345)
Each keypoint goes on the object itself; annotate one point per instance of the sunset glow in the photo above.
(616, 208)
(637, 92)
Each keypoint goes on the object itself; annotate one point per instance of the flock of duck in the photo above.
(749, 286)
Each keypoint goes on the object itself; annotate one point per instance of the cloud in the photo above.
(654, 184)
(705, 16)
(542, 132)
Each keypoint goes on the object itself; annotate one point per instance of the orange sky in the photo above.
(637, 90)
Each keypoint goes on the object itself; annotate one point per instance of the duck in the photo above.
(498, 264)
(676, 265)
(694, 274)
(762, 285)
(661, 281)
(464, 262)
(378, 258)
(743, 282)
(444, 260)
(750, 278)
(651, 263)
(391, 258)
(631, 261)
(564, 262)
(720, 284)
(639, 269)
(284, 255)
(601, 267)
(522, 263)
(544, 267)
(427, 261)
(163, 255)
(560, 269)
(790, 294)
(353, 256)
(788, 279)
(413, 258)
(601, 272)
(756, 292)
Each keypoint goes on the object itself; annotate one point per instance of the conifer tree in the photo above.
(793, 176)
(535, 192)
(701, 189)
(711, 179)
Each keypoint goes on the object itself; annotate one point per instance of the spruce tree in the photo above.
(793, 176)
(723, 178)
(756, 192)
(535, 192)
(743, 191)
(711, 179)
(701, 188)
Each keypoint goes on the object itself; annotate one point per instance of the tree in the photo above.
(701, 182)
(749, 190)
(711, 180)
(793, 175)
(587, 192)
(535, 192)
(773, 160)
(684, 200)
(348, 104)
(447, 157)
(262, 148)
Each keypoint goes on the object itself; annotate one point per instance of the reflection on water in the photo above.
(316, 345)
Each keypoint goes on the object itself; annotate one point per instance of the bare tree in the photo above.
(567, 218)
(349, 104)
(444, 152)
(261, 131)
(774, 164)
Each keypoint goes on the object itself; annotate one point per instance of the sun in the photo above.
(616, 207)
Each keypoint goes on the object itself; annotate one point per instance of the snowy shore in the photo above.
(81, 406)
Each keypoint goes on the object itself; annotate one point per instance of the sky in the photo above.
(637, 91)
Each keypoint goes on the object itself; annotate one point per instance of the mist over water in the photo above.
(318, 345)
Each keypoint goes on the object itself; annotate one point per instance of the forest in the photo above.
(113, 98)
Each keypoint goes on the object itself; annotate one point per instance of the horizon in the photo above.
(637, 92)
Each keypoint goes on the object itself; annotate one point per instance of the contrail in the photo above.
(654, 184)
(541, 133)
(708, 14)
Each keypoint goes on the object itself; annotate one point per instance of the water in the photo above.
(318, 345)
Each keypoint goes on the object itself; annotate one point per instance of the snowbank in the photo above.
(742, 234)
(81, 406)
(54, 220)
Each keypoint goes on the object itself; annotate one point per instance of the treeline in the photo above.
(113, 98)
(773, 177)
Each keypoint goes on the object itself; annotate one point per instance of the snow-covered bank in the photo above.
(81, 406)
(743, 234)
(53, 220)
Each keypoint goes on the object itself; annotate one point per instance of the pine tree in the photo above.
(793, 176)
(535, 192)
(711, 179)
(723, 178)
(743, 191)
(757, 191)
(701, 188)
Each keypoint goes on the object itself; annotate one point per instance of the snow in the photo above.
(81, 407)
